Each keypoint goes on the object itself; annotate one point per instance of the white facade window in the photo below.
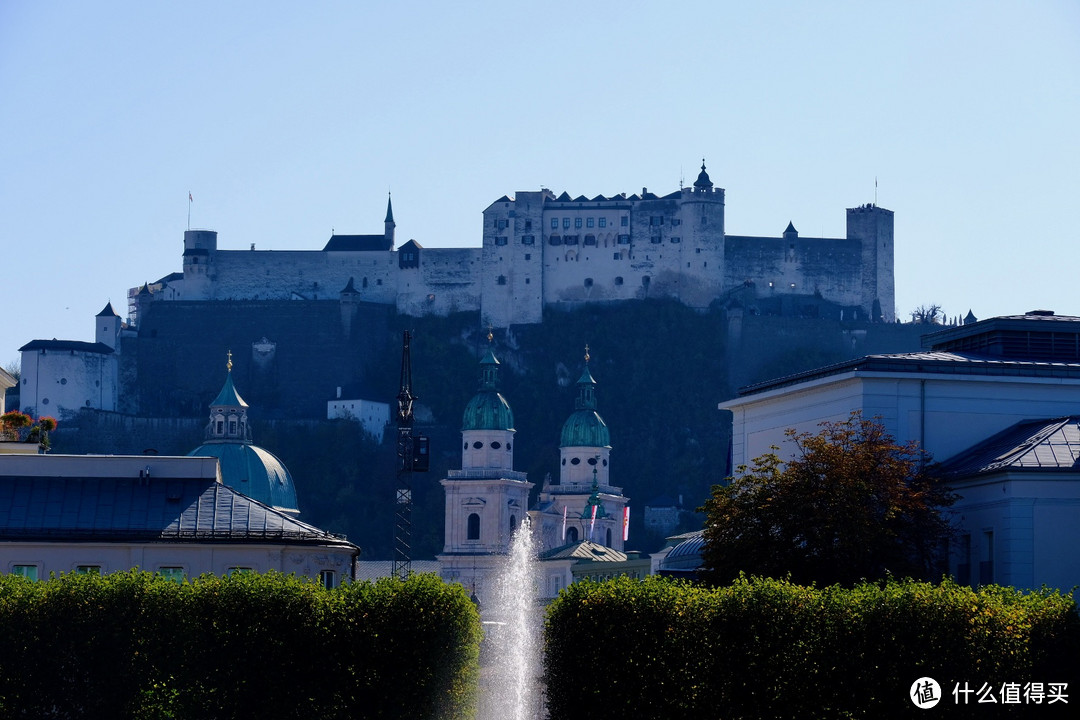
(328, 579)
(87, 569)
(174, 573)
(603, 222)
(30, 572)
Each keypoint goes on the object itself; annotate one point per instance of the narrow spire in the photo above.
(389, 209)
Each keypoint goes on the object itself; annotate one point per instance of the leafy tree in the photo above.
(851, 505)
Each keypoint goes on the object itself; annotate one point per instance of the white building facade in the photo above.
(975, 383)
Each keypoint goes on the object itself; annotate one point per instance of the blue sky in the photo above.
(287, 120)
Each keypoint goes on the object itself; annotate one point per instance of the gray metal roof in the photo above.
(143, 510)
(584, 550)
(927, 362)
(1043, 445)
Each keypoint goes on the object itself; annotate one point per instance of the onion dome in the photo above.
(488, 409)
(585, 428)
(246, 468)
(703, 182)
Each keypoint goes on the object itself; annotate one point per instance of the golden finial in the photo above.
(491, 335)
(586, 352)
(228, 365)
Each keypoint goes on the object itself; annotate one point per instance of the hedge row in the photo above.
(132, 645)
(769, 649)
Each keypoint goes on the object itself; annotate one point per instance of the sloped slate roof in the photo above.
(357, 243)
(132, 509)
(70, 345)
(584, 550)
(1052, 445)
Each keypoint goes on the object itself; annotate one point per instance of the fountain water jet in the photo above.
(512, 688)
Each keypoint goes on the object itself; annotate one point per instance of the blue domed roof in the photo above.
(488, 409)
(253, 471)
(585, 428)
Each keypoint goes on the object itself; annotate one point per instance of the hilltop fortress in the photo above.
(541, 251)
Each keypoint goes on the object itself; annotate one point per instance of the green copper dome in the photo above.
(585, 428)
(488, 410)
(253, 471)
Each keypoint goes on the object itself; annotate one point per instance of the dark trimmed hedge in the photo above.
(763, 648)
(132, 645)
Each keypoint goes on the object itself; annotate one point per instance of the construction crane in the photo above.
(413, 456)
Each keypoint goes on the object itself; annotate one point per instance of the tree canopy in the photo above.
(852, 504)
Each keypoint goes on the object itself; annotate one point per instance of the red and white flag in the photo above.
(564, 523)
(625, 523)
(592, 523)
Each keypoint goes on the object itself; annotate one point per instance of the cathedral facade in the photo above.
(540, 250)
(578, 518)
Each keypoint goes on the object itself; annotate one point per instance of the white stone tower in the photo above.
(584, 480)
(487, 499)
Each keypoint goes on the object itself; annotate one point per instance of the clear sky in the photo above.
(286, 120)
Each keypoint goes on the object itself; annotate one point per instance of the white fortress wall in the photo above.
(447, 280)
(308, 274)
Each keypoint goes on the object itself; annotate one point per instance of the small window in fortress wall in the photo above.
(655, 239)
(501, 240)
(554, 223)
(676, 239)
(571, 239)
(555, 240)
(527, 239)
(590, 240)
(603, 222)
(618, 280)
(502, 280)
(624, 221)
(624, 239)
(588, 282)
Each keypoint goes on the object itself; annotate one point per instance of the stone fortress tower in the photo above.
(541, 251)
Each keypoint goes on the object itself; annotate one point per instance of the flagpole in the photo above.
(189, 201)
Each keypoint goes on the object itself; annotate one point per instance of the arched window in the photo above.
(513, 524)
(608, 543)
(473, 531)
(571, 535)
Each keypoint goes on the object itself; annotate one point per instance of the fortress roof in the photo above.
(71, 345)
(358, 243)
